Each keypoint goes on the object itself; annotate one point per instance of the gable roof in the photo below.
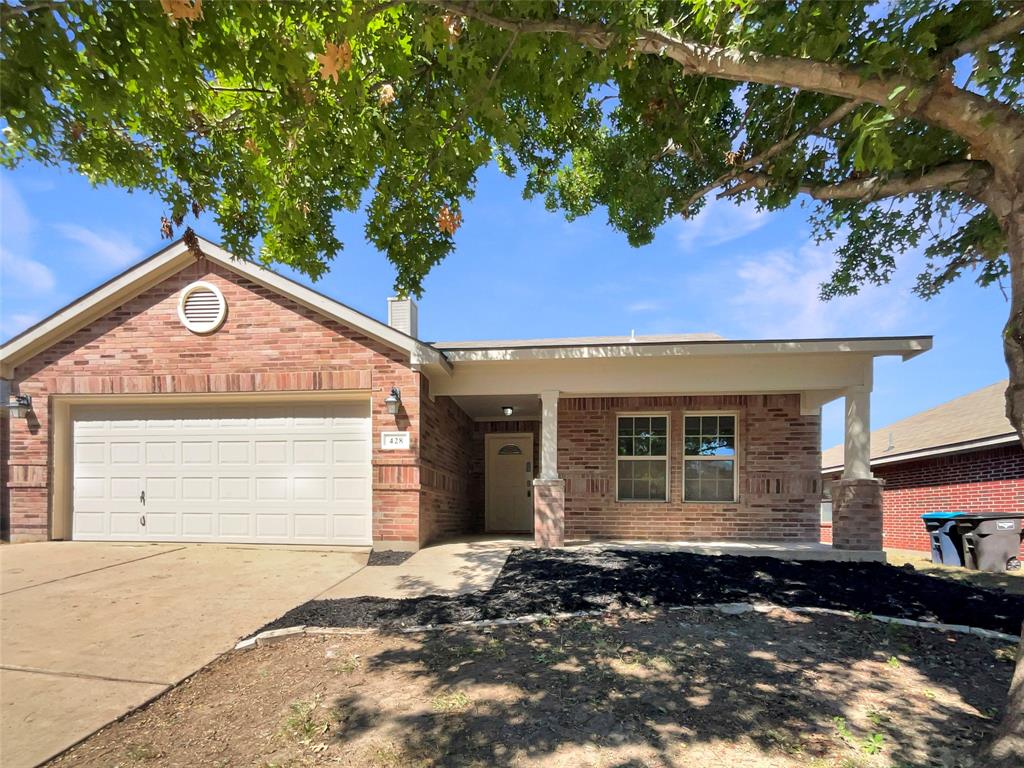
(170, 260)
(976, 420)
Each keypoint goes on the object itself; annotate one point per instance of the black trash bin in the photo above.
(947, 546)
(991, 542)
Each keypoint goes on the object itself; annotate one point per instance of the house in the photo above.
(961, 456)
(197, 397)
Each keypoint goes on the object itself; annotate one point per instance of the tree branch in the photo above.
(995, 130)
(969, 177)
(836, 116)
(1003, 29)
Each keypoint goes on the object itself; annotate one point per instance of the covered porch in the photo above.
(622, 442)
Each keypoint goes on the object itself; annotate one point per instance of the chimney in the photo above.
(403, 316)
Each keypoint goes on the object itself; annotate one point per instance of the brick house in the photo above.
(961, 456)
(197, 397)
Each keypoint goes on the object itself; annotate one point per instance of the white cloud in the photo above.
(720, 221)
(644, 306)
(776, 296)
(27, 274)
(110, 248)
(16, 223)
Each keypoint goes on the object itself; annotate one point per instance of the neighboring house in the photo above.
(961, 456)
(210, 399)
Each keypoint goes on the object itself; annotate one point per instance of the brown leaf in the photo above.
(448, 221)
(453, 24)
(335, 58)
(387, 94)
(166, 230)
(189, 10)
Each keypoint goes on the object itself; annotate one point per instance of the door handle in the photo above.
(142, 498)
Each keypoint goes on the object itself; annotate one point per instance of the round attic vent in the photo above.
(201, 307)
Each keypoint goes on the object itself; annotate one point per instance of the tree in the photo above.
(900, 121)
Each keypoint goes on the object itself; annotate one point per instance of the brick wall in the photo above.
(446, 453)
(267, 343)
(778, 464)
(990, 480)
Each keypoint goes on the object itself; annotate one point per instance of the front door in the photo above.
(508, 476)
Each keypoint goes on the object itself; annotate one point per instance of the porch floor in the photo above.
(780, 549)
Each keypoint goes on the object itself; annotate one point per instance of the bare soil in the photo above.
(555, 581)
(645, 688)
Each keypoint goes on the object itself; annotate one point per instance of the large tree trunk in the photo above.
(1006, 750)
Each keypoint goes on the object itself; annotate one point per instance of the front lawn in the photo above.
(556, 581)
(637, 688)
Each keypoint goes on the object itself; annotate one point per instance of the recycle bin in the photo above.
(991, 542)
(947, 546)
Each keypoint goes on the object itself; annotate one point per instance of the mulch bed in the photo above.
(388, 557)
(554, 581)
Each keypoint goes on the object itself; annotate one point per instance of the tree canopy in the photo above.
(276, 116)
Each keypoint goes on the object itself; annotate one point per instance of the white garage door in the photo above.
(291, 474)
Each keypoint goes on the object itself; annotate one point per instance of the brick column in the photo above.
(549, 513)
(857, 514)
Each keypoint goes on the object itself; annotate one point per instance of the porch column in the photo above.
(548, 489)
(857, 496)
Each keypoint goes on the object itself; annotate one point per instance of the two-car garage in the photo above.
(283, 473)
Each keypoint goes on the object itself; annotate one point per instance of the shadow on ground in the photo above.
(554, 581)
(656, 688)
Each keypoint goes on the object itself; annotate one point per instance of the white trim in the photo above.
(172, 259)
(735, 458)
(906, 347)
(222, 308)
(953, 448)
(667, 458)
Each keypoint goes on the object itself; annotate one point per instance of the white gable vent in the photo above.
(201, 307)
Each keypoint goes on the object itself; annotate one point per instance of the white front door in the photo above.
(266, 473)
(508, 478)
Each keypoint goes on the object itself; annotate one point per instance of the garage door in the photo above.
(291, 474)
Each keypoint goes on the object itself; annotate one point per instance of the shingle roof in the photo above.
(579, 341)
(978, 415)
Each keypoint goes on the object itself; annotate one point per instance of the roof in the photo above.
(579, 341)
(976, 420)
(168, 261)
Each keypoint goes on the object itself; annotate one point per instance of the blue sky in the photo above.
(521, 271)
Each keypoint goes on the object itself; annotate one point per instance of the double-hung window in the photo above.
(642, 458)
(709, 457)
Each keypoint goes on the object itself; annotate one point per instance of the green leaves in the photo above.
(277, 116)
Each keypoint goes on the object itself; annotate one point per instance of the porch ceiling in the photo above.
(488, 407)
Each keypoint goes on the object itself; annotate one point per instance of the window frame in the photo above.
(667, 458)
(735, 458)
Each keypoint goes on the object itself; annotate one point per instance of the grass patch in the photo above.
(303, 722)
(450, 703)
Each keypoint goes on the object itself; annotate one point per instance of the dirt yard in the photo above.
(659, 688)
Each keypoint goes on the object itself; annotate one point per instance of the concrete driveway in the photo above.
(90, 630)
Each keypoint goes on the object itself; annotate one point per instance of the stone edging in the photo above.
(274, 635)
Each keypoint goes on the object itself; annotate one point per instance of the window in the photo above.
(709, 458)
(642, 458)
(510, 449)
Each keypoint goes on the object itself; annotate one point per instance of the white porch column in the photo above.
(857, 438)
(549, 435)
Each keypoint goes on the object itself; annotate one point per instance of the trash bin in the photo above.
(947, 546)
(991, 542)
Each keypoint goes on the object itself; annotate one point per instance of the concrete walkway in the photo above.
(449, 568)
(89, 631)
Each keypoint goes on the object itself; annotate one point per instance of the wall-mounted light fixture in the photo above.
(393, 401)
(507, 410)
(19, 406)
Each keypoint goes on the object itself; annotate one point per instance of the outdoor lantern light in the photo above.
(393, 401)
(507, 410)
(19, 406)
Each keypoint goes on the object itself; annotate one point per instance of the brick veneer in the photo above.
(267, 344)
(990, 480)
(857, 514)
(446, 454)
(778, 465)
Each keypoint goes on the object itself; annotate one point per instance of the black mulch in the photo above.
(546, 581)
(388, 557)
